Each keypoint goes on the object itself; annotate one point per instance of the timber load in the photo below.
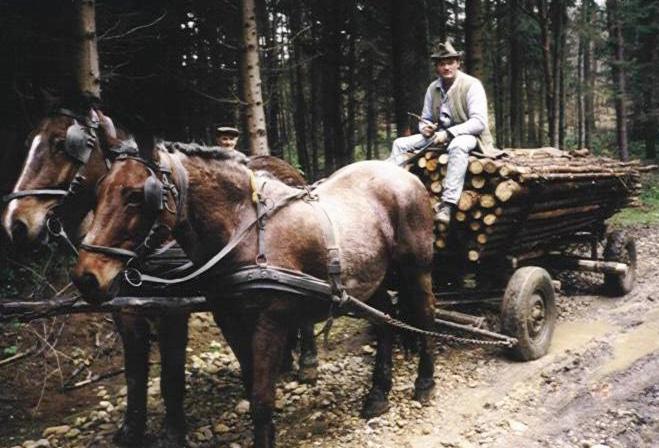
(528, 199)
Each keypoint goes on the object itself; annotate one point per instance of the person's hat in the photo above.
(227, 130)
(445, 50)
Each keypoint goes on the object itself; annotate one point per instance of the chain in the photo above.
(510, 342)
(386, 318)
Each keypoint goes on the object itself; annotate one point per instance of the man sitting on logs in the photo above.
(454, 113)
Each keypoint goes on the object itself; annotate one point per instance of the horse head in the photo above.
(137, 206)
(66, 152)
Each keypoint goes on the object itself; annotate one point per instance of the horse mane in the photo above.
(206, 152)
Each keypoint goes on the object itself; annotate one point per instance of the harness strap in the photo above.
(115, 251)
(23, 193)
(235, 240)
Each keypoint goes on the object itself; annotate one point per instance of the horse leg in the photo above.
(291, 344)
(134, 331)
(173, 339)
(416, 290)
(308, 355)
(377, 401)
(268, 343)
(237, 331)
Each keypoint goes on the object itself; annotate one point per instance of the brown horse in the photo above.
(381, 221)
(50, 168)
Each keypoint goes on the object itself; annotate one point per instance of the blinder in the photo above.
(153, 193)
(80, 141)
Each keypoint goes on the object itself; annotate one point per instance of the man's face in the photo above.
(447, 68)
(227, 141)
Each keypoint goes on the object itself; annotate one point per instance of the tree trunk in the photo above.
(89, 75)
(614, 23)
(474, 38)
(589, 77)
(297, 83)
(254, 113)
(271, 25)
(557, 12)
(516, 66)
(410, 60)
(531, 127)
(351, 104)
(649, 79)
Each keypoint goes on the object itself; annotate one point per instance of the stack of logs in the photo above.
(527, 199)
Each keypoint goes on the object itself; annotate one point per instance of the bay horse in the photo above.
(48, 172)
(381, 221)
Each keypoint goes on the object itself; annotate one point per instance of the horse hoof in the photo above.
(129, 437)
(424, 390)
(170, 440)
(308, 375)
(376, 404)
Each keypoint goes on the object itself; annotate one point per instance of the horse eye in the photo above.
(135, 198)
(58, 144)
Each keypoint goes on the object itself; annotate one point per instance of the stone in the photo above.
(517, 426)
(56, 430)
(242, 407)
(72, 434)
(41, 443)
(221, 428)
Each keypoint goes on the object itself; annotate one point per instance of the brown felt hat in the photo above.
(227, 130)
(445, 50)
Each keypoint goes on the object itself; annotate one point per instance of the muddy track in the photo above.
(598, 386)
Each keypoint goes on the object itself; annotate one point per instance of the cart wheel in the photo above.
(528, 312)
(620, 247)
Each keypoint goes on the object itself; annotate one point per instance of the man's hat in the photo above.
(227, 130)
(445, 50)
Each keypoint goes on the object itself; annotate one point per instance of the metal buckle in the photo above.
(133, 277)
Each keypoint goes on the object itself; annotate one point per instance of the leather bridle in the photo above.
(81, 139)
(157, 187)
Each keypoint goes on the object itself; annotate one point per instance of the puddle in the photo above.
(570, 335)
(633, 345)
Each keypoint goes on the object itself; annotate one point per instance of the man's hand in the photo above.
(428, 130)
(441, 137)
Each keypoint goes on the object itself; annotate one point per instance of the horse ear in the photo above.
(48, 101)
(146, 144)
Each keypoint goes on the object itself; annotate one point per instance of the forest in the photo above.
(336, 79)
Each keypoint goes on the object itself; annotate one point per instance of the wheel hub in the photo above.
(536, 320)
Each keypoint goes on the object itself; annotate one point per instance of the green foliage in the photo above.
(648, 213)
(10, 350)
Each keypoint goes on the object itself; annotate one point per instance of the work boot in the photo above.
(443, 213)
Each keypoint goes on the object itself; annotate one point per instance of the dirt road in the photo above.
(598, 387)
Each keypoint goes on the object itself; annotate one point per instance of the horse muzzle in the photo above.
(96, 286)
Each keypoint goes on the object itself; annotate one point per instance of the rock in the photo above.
(221, 428)
(242, 407)
(368, 350)
(41, 443)
(56, 430)
(600, 445)
(517, 426)
(291, 386)
(72, 434)
(204, 433)
(235, 445)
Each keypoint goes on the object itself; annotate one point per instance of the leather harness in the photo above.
(288, 280)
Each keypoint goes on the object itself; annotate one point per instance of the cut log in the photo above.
(506, 190)
(475, 166)
(477, 182)
(468, 199)
(487, 201)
